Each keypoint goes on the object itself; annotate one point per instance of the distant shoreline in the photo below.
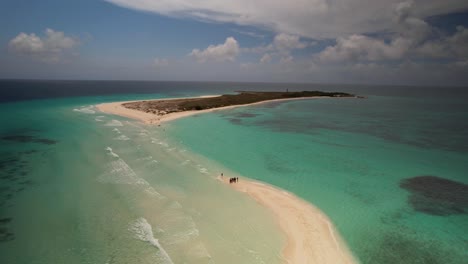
(163, 110)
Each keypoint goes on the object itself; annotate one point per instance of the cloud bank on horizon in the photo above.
(308, 18)
(381, 41)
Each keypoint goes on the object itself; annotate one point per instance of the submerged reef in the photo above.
(436, 196)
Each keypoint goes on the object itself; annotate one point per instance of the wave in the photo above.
(144, 232)
(114, 123)
(122, 137)
(85, 109)
(119, 172)
(99, 118)
(202, 169)
(116, 130)
(112, 153)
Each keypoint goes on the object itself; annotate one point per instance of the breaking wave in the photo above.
(144, 232)
(122, 137)
(85, 109)
(112, 153)
(114, 123)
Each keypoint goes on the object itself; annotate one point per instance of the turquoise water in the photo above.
(348, 157)
(79, 186)
(82, 187)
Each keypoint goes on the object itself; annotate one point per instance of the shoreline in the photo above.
(310, 235)
(117, 108)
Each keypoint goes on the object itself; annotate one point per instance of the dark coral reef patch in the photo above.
(436, 196)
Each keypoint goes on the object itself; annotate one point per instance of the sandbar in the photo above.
(311, 236)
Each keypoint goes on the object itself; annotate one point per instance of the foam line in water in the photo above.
(144, 232)
(122, 137)
(119, 172)
(116, 130)
(202, 169)
(85, 109)
(112, 153)
(114, 123)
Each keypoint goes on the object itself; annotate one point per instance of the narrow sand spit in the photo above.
(117, 108)
(311, 237)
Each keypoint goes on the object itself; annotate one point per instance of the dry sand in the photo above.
(311, 236)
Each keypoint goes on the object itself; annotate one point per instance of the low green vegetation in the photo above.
(163, 107)
(251, 97)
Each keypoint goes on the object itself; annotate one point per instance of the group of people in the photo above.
(231, 180)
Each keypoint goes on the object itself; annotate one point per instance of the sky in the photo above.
(392, 42)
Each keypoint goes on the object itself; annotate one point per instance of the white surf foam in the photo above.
(110, 152)
(146, 158)
(202, 169)
(122, 137)
(114, 123)
(120, 173)
(152, 192)
(99, 118)
(85, 109)
(116, 130)
(144, 232)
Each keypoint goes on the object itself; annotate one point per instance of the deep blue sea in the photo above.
(80, 186)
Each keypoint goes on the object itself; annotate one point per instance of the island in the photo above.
(310, 236)
(160, 110)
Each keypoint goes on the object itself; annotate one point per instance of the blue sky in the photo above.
(421, 42)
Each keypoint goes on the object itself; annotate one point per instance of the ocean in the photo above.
(80, 186)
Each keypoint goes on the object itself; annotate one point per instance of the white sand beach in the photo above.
(311, 236)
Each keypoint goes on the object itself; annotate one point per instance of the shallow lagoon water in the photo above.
(350, 162)
(79, 186)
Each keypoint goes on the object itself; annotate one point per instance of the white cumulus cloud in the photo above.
(310, 18)
(222, 52)
(50, 47)
(413, 37)
(286, 42)
(359, 47)
(266, 58)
